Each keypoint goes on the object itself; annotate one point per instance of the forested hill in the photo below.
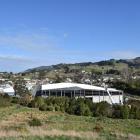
(135, 63)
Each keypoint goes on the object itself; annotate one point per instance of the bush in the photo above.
(25, 100)
(50, 108)
(121, 111)
(62, 102)
(87, 111)
(4, 102)
(82, 107)
(85, 107)
(15, 100)
(32, 104)
(43, 107)
(132, 113)
(35, 122)
(72, 106)
(6, 96)
(102, 109)
(125, 112)
(57, 108)
(38, 102)
(137, 113)
(116, 111)
(89, 103)
(98, 128)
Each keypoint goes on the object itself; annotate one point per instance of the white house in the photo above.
(95, 93)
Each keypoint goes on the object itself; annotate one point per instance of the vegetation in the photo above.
(14, 124)
(20, 87)
(66, 118)
(132, 87)
(5, 100)
(85, 107)
(35, 122)
(80, 106)
(122, 74)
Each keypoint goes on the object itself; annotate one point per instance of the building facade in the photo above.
(95, 93)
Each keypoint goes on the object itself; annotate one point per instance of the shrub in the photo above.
(50, 108)
(57, 108)
(82, 109)
(132, 112)
(103, 109)
(4, 102)
(62, 102)
(6, 96)
(15, 100)
(120, 111)
(89, 103)
(116, 113)
(98, 128)
(125, 112)
(87, 111)
(32, 104)
(35, 122)
(25, 100)
(137, 113)
(38, 102)
(72, 106)
(43, 107)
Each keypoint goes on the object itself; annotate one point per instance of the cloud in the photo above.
(14, 58)
(44, 29)
(23, 49)
(15, 63)
(27, 41)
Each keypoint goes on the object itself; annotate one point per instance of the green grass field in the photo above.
(60, 126)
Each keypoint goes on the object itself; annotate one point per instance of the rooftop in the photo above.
(75, 86)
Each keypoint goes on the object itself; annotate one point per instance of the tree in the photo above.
(102, 109)
(116, 111)
(42, 74)
(132, 112)
(20, 87)
(82, 109)
(66, 69)
(137, 113)
(38, 102)
(125, 112)
(58, 79)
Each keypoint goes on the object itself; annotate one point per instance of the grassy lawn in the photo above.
(60, 126)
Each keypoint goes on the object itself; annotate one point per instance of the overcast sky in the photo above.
(46, 32)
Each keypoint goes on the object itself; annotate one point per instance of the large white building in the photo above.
(95, 93)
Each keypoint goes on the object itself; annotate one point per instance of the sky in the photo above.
(45, 32)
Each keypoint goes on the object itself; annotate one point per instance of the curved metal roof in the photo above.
(75, 86)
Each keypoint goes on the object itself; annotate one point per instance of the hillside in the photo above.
(90, 72)
(130, 62)
(110, 72)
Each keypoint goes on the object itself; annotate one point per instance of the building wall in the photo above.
(93, 95)
(116, 98)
